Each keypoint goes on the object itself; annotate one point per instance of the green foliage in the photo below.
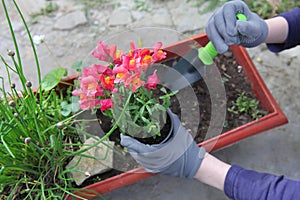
(91, 3)
(37, 132)
(78, 65)
(244, 104)
(210, 5)
(29, 162)
(50, 7)
(52, 78)
(141, 5)
(48, 10)
(265, 9)
(70, 104)
(142, 116)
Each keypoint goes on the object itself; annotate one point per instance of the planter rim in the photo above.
(274, 119)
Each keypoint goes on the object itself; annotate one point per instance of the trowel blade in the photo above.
(188, 70)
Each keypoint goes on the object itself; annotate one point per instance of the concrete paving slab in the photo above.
(274, 151)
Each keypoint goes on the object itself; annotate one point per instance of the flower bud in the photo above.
(27, 140)
(12, 104)
(87, 174)
(27, 190)
(60, 125)
(16, 115)
(28, 84)
(11, 53)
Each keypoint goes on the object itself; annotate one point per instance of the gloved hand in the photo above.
(224, 29)
(180, 156)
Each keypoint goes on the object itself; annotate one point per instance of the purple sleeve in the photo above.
(247, 184)
(293, 39)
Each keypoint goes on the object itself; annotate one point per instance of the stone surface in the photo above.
(28, 8)
(120, 16)
(70, 20)
(84, 167)
(275, 151)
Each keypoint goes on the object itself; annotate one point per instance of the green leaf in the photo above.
(78, 65)
(66, 108)
(52, 78)
(75, 104)
(149, 109)
(144, 119)
(140, 100)
(133, 107)
(163, 90)
(142, 111)
(52, 141)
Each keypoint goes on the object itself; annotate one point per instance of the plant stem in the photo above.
(12, 33)
(33, 48)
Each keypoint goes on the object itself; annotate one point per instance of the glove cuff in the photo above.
(195, 162)
(253, 41)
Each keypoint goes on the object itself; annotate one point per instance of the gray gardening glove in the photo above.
(180, 156)
(224, 29)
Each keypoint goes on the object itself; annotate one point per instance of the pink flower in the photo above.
(133, 46)
(89, 86)
(86, 102)
(152, 81)
(129, 63)
(134, 82)
(93, 70)
(104, 52)
(88, 92)
(106, 104)
(158, 54)
(122, 72)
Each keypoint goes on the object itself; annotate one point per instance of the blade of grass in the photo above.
(33, 50)
(6, 147)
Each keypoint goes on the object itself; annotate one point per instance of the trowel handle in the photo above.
(207, 53)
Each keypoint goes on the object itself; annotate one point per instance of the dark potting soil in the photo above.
(106, 125)
(235, 82)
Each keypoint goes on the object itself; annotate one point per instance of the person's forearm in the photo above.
(212, 172)
(278, 30)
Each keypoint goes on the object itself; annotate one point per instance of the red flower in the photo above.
(107, 82)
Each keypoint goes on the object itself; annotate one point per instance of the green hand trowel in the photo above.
(191, 67)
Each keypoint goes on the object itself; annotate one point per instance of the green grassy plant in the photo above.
(37, 133)
(244, 104)
(91, 3)
(266, 9)
(47, 10)
(141, 5)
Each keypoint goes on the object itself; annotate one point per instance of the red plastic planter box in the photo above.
(275, 117)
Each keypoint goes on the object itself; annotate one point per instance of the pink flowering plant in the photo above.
(123, 90)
